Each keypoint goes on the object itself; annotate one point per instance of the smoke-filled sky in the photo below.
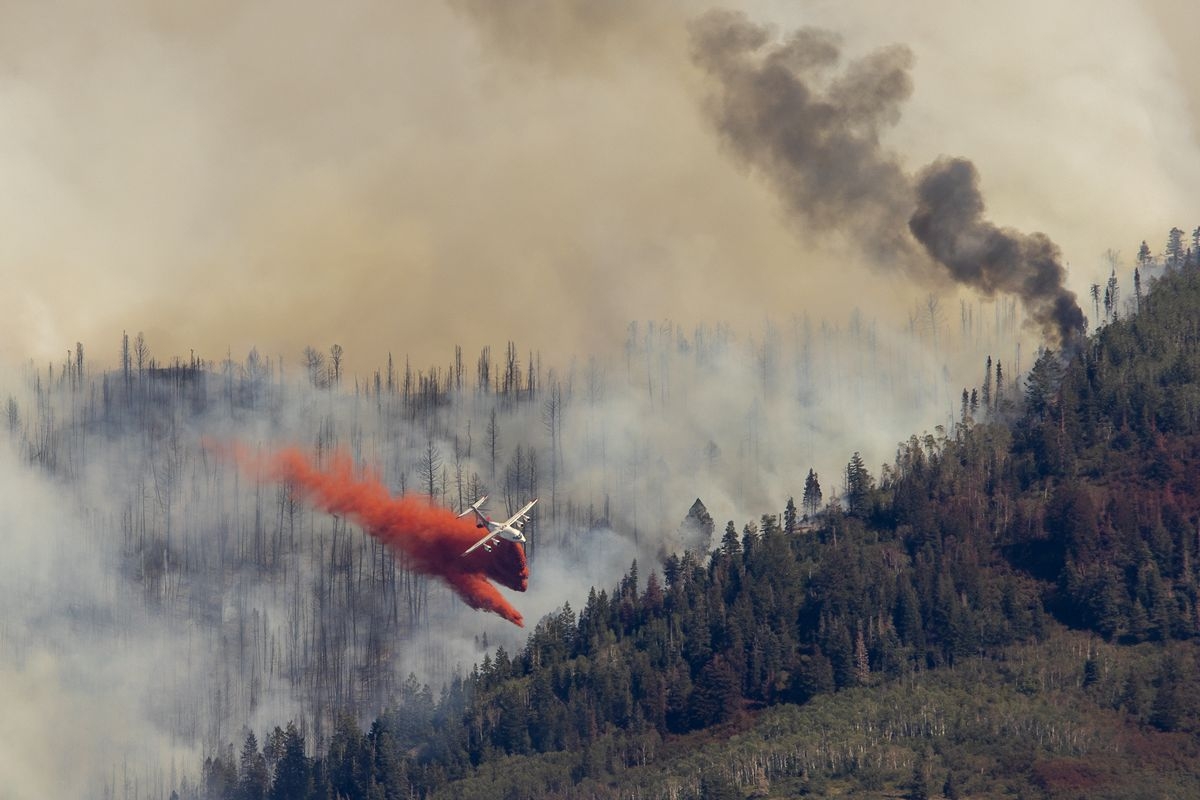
(408, 176)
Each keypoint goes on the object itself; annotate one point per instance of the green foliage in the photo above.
(254, 781)
(714, 785)
(812, 494)
(813, 658)
(858, 486)
(293, 777)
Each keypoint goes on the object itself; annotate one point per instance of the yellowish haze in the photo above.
(405, 177)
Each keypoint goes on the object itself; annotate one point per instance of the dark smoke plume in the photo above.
(949, 222)
(432, 538)
(813, 133)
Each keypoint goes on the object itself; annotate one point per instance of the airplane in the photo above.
(509, 529)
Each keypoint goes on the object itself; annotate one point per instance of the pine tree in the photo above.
(750, 542)
(347, 765)
(730, 545)
(1042, 385)
(1112, 297)
(1144, 256)
(220, 776)
(858, 486)
(839, 646)
(717, 694)
(918, 784)
(1174, 249)
(254, 780)
(813, 675)
(812, 494)
(292, 776)
(697, 527)
(950, 787)
(987, 384)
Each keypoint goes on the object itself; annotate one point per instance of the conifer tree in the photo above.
(730, 546)
(1175, 250)
(918, 784)
(1144, 256)
(950, 787)
(987, 384)
(812, 494)
(254, 780)
(292, 775)
(1112, 293)
(858, 486)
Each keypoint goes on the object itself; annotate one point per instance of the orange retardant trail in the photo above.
(432, 537)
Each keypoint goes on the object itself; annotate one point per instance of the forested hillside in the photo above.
(599, 399)
(133, 544)
(1043, 540)
(1008, 609)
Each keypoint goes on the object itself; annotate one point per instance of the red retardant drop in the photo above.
(432, 538)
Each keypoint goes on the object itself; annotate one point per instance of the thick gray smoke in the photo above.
(814, 133)
(949, 222)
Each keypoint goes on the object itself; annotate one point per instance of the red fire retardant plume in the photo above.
(431, 537)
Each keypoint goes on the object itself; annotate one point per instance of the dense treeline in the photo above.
(951, 574)
(1112, 438)
(1064, 718)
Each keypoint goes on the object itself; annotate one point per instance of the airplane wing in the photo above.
(521, 517)
(490, 535)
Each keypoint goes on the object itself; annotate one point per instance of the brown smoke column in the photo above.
(432, 537)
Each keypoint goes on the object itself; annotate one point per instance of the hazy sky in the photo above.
(410, 176)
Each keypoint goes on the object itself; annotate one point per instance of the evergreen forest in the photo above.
(1008, 606)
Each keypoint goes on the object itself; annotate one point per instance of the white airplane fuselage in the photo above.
(510, 529)
(500, 529)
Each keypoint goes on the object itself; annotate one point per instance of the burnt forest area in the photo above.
(1006, 607)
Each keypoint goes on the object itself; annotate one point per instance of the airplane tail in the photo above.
(474, 507)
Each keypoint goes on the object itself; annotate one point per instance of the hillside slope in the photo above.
(1009, 609)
